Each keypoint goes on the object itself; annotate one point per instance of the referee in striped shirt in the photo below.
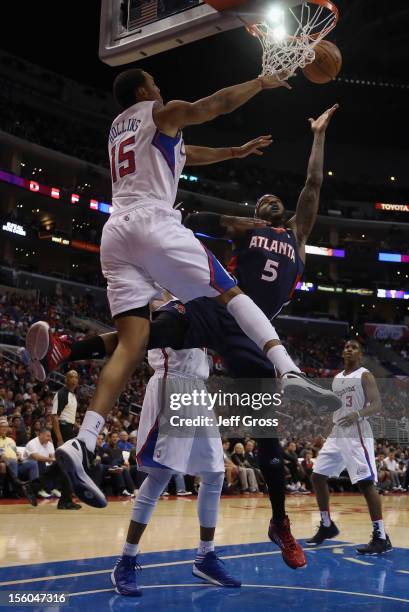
(63, 413)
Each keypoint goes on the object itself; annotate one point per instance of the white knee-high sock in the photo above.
(258, 328)
(208, 503)
(208, 500)
(281, 359)
(91, 426)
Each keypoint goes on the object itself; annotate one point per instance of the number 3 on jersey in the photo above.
(126, 159)
(271, 270)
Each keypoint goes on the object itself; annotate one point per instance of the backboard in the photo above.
(131, 30)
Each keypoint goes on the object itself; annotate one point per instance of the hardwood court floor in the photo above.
(39, 535)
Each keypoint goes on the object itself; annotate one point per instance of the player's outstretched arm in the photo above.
(203, 156)
(222, 226)
(373, 404)
(308, 202)
(178, 114)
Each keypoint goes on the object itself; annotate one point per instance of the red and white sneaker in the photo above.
(280, 534)
(46, 350)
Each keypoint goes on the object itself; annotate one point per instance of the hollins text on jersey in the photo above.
(126, 125)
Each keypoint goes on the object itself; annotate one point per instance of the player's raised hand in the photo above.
(253, 147)
(321, 124)
(272, 81)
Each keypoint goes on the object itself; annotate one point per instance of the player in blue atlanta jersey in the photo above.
(269, 261)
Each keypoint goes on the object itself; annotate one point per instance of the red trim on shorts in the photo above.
(166, 362)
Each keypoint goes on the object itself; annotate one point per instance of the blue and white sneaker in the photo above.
(74, 459)
(211, 569)
(123, 576)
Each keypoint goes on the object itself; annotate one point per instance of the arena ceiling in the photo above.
(373, 91)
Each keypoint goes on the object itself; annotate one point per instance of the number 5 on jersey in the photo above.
(126, 159)
(271, 270)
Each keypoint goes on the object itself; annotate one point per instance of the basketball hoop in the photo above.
(310, 23)
(287, 33)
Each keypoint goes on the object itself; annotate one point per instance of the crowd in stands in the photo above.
(18, 312)
(25, 411)
(25, 415)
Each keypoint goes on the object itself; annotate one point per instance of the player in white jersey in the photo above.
(144, 241)
(350, 445)
(163, 449)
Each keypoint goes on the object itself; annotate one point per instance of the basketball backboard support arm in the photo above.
(118, 46)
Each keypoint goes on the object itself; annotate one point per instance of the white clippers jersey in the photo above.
(145, 164)
(348, 387)
(189, 363)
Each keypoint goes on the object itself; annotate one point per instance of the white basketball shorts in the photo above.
(349, 448)
(188, 449)
(149, 244)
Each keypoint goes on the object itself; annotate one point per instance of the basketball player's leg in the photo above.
(123, 576)
(133, 334)
(271, 462)
(380, 542)
(207, 565)
(372, 498)
(359, 455)
(74, 456)
(166, 331)
(130, 290)
(329, 463)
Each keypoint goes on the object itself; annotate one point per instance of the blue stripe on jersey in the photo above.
(220, 279)
(166, 145)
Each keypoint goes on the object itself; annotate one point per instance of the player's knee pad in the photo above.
(149, 493)
(209, 498)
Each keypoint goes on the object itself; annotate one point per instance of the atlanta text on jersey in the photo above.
(275, 246)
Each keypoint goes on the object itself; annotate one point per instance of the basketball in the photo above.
(327, 63)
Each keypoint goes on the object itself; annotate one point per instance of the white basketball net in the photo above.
(308, 24)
